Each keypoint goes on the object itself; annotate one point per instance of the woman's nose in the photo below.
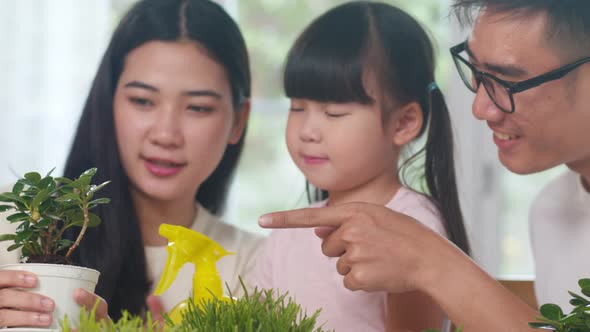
(166, 130)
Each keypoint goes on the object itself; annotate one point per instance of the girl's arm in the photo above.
(413, 311)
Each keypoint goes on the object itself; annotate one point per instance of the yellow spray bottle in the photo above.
(188, 246)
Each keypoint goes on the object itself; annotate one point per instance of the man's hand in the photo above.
(378, 249)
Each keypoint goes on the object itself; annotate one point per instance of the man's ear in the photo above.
(407, 122)
(240, 121)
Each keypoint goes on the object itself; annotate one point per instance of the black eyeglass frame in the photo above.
(510, 87)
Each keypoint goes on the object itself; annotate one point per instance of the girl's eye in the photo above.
(200, 109)
(336, 115)
(143, 102)
(296, 109)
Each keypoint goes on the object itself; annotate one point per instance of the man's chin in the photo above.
(524, 167)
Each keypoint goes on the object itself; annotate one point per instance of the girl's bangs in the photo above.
(326, 64)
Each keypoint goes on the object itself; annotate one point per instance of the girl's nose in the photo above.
(310, 130)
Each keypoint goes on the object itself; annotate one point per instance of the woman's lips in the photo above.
(162, 167)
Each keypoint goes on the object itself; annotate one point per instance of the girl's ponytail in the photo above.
(439, 167)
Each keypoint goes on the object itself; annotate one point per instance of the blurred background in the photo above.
(50, 51)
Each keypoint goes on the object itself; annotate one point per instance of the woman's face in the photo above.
(174, 118)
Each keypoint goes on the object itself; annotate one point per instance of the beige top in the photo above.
(230, 237)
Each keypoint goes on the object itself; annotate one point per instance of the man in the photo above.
(541, 122)
(527, 61)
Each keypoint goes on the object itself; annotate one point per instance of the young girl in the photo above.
(164, 121)
(361, 83)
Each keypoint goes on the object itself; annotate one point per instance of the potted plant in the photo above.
(43, 208)
(578, 320)
(259, 310)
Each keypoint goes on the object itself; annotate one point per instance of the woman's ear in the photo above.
(407, 122)
(240, 122)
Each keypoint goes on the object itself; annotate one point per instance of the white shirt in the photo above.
(560, 236)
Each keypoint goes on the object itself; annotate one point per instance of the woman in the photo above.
(165, 122)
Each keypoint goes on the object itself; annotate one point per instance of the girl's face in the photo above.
(340, 147)
(174, 118)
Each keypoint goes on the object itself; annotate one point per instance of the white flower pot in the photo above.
(58, 282)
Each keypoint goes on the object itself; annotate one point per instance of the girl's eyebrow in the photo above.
(192, 93)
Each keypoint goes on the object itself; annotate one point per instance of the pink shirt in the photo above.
(291, 260)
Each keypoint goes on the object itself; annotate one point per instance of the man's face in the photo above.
(551, 122)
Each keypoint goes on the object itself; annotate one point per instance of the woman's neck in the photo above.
(378, 191)
(151, 213)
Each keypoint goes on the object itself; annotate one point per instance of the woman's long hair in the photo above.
(115, 247)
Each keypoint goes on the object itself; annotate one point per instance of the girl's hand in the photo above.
(22, 308)
(87, 300)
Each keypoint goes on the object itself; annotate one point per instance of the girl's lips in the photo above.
(161, 168)
(312, 160)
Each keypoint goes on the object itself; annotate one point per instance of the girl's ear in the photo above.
(240, 122)
(408, 121)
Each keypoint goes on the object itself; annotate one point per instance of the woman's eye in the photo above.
(336, 115)
(200, 109)
(143, 102)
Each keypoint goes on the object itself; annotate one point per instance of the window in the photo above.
(51, 51)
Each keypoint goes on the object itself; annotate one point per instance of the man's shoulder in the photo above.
(557, 191)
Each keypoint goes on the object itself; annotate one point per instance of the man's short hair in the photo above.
(568, 20)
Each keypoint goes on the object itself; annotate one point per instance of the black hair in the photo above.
(115, 247)
(332, 57)
(568, 20)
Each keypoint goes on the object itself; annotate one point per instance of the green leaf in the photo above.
(14, 246)
(45, 183)
(7, 237)
(68, 197)
(551, 311)
(24, 235)
(103, 200)
(11, 198)
(64, 243)
(44, 223)
(18, 217)
(584, 282)
(543, 326)
(94, 189)
(63, 180)
(89, 173)
(586, 290)
(17, 188)
(39, 198)
(78, 220)
(4, 208)
(33, 177)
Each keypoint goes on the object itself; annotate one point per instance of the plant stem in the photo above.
(82, 231)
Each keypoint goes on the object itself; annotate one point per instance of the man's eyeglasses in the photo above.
(502, 92)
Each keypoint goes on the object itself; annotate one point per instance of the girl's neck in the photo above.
(378, 191)
(151, 213)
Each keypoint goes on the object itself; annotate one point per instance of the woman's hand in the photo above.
(87, 300)
(19, 307)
